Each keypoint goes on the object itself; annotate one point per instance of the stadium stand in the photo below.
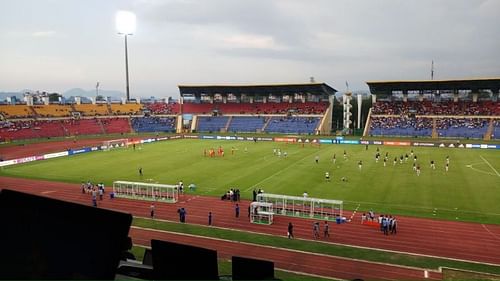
(160, 108)
(16, 111)
(92, 109)
(197, 108)
(496, 129)
(126, 109)
(256, 108)
(52, 110)
(153, 124)
(116, 125)
(246, 124)
(288, 125)
(401, 126)
(464, 108)
(18, 130)
(82, 127)
(462, 128)
(212, 124)
(436, 108)
(282, 108)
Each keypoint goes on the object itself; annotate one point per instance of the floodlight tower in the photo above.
(125, 24)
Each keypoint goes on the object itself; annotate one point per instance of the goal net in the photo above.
(111, 144)
(146, 191)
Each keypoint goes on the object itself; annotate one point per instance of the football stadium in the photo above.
(432, 166)
(255, 181)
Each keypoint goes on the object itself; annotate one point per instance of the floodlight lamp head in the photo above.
(125, 22)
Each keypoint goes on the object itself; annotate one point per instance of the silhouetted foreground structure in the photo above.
(48, 239)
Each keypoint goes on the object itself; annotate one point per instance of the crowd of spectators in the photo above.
(446, 123)
(436, 108)
(162, 108)
(401, 122)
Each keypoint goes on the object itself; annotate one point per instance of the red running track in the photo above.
(33, 149)
(290, 260)
(449, 239)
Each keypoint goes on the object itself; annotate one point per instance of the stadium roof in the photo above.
(387, 87)
(260, 89)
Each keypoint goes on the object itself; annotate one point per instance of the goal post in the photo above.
(111, 144)
(146, 191)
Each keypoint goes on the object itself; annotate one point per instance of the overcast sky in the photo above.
(55, 45)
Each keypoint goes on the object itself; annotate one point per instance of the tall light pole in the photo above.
(125, 23)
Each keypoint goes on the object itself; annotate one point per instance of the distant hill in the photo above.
(4, 95)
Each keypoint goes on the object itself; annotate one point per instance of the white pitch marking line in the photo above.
(496, 172)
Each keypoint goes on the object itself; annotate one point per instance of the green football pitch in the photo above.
(470, 190)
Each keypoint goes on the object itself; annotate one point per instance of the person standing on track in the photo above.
(290, 231)
(210, 218)
(326, 230)
(394, 226)
(237, 211)
(152, 210)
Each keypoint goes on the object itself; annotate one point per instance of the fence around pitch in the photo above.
(146, 191)
(306, 207)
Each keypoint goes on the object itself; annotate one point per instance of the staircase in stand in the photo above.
(130, 124)
(35, 114)
(228, 123)
(267, 123)
(434, 129)
(110, 111)
(101, 125)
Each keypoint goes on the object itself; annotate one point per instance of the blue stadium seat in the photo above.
(293, 125)
(153, 124)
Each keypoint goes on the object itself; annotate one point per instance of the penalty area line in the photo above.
(486, 161)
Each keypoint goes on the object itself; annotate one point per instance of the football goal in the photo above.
(111, 144)
(146, 191)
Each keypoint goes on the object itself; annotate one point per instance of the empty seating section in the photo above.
(401, 126)
(126, 109)
(154, 124)
(246, 124)
(163, 108)
(52, 110)
(82, 127)
(212, 124)
(462, 128)
(293, 125)
(115, 125)
(197, 108)
(256, 108)
(92, 109)
(16, 111)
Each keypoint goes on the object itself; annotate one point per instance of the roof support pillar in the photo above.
(420, 96)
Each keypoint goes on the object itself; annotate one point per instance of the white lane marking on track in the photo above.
(489, 231)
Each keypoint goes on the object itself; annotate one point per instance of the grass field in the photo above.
(469, 191)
